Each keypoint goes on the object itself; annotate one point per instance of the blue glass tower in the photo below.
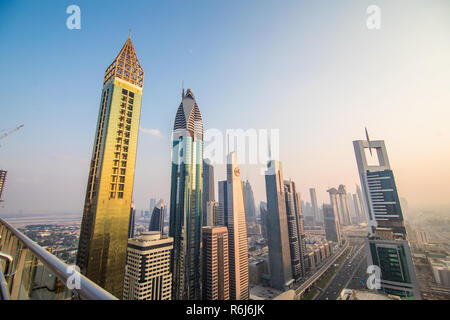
(186, 199)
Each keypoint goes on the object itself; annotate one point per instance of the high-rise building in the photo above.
(362, 206)
(208, 186)
(132, 220)
(387, 242)
(263, 215)
(331, 224)
(215, 263)
(352, 209)
(157, 218)
(315, 208)
(277, 228)
(212, 213)
(104, 230)
(357, 207)
(3, 174)
(147, 275)
(296, 231)
(250, 210)
(339, 202)
(223, 203)
(237, 232)
(152, 204)
(186, 207)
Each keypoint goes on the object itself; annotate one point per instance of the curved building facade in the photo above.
(186, 194)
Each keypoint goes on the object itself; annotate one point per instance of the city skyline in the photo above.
(35, 169)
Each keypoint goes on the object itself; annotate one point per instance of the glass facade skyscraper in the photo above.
(104, 229)
(186, 210)
(297, 237)
(277, 228)
(387, 242)
(208, 186)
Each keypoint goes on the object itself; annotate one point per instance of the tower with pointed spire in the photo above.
(186, 209)
(103, 240)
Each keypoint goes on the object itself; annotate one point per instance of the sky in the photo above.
(311, 69)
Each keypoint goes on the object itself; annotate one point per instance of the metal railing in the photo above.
(29, 272)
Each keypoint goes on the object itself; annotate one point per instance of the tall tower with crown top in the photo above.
(104, 230)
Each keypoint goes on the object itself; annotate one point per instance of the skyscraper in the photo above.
(186, 212)
(152, 205)
(361, 204)
(277, 228)
(250, 210)
(157, 217)
(339, 202)
(237, 232)
(357, 207)
(211, 213)
(263, 215)
(147, 275)
(331, 224)
(132, 220)
(104, 229)
(295, 229)
(208, 186)
(352, 209)
(215, 263)
(315, 208)
(387, 242)
(223, 203)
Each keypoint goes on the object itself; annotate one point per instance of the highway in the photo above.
(313, 278)
(352, 266)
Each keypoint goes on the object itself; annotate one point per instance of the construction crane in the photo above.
(10, 132)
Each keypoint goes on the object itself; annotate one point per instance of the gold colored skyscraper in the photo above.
(104, 229)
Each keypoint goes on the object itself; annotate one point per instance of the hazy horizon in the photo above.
(315, 72)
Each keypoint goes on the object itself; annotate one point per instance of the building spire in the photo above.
(182, 92)
(129, 34)
(126, 66)
(368, 140)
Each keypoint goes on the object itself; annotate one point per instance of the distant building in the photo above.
(147, 272)
(215, 261)
(223, 203)
(362, 206)
(212, 213)
(331, 224)
(357, 206)
(441, 273)
(250, 210)
(263, 215)
(421, 238)
(339, 202)
(208, 186)
(132, 221)
(152, 205)
(157, 218)
(315, 208)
